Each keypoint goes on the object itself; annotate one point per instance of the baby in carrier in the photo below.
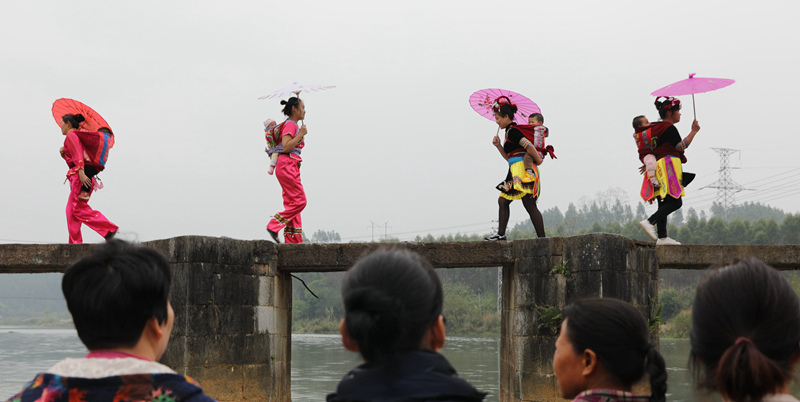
(269, 133)
(640, 135)
(540, 133)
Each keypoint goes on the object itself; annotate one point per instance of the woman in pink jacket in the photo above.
(78, 209)
(288, 173)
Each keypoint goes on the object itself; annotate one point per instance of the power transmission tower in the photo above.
(726, 187)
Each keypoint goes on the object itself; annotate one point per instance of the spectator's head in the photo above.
(71, 122)
(294, 108)
(669, 108)
(504, 111)
(605, 343)
(119, 296)
(393, 305)
(745, 331)
(640, 121)
(105, 130)
(536, 118)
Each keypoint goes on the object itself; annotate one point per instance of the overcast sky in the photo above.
(396, 141)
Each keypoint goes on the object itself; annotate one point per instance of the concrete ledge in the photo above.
(40, 258)
(340, 257)
(785, 257)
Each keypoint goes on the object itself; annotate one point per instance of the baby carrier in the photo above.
(273, 137)
(95, 147)
(536, 133)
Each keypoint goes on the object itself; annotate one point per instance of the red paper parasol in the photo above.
(69, 106)
(481, 101)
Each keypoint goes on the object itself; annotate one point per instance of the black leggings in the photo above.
(665, 207)
(533, 211)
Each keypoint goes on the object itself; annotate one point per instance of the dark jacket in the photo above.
(421, 375)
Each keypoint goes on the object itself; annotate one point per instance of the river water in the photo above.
(318, 361)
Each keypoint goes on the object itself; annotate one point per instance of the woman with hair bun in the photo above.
(664, 142)
(80, 177)
(745, 333)
(393, 318)
(603, 349)
(287, 170)
(518, 185)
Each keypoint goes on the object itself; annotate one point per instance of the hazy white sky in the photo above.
(396, 141)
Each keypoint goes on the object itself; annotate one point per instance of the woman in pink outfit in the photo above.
(288, 173)
(78, 209)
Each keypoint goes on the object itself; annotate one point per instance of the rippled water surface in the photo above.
(318, 361)
(24, 352)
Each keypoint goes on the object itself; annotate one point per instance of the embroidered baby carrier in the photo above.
(536, 133)
(96, 146)
(273, 137)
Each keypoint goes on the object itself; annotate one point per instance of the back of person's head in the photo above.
(537, 117)
(391, 298)
(618, 334)
(105, 130)
(665, 104)
(114, 291)
(638, 121)
(745, 331)
(73, 120)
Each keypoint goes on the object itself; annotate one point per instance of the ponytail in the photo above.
(744, 373)
(745, 330)
(372, 320)
(657, 371)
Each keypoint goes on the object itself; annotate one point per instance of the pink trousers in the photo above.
(294, 200)
(79, 212)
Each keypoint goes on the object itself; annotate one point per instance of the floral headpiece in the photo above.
(669, 103)
(500, 102)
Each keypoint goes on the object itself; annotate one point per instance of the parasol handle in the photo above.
(693, 108)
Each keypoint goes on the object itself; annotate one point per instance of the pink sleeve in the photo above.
(74, 149)
(290, 128)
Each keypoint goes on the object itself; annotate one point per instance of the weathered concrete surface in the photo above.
(786, 257)
(340, 257)
(551, 273)
(232, 298)
(232, 307)
(39, 258)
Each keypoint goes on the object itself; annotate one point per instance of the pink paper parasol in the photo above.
(693, 85)
(481, 101)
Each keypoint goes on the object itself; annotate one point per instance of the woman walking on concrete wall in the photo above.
(518, 185)
(287, 171)
(664, 141)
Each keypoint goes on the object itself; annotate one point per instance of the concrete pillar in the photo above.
(232, 307)
(547, 275)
